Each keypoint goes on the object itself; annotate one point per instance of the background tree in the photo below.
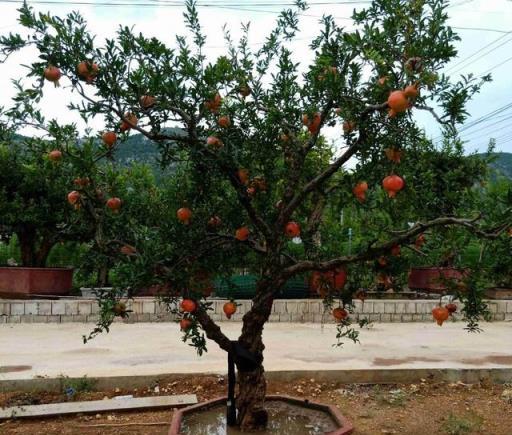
(248, 146)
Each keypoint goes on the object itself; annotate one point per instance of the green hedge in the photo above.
(244, 287)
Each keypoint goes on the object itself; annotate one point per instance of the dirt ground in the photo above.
(418, 409)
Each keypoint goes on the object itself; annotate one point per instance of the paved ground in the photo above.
(29, 350)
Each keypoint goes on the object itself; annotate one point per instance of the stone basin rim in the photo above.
(345, 426)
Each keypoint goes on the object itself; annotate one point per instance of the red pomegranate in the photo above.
(398, 101)
(147, 101)
(224, 121)
(109, 138)
(393, 184)
(214, 105)
(395, 250)
(229, 309)
(184, 214)
(114, 204)
(440, 314)
(393, 154)
(87, 71)
(55, 155)
(188, 305)
(214, 142)
(292, 229)
(82, 182)
(340, 314)
(420, 241)
(242, 234)
(243, 176)
(129, 121)
(451, 307)
(331, 280)
(74, 197)
(128, 250)
(411, 92)
(360, 190)
(52, 74)
(185, 324)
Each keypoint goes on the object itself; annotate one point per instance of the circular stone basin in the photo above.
(287, 416)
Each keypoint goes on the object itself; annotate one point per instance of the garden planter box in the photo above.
(23, 282)
(344, 426)
(499, 293)
(432, 279)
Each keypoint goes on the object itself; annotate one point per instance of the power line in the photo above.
(496, 66)
(481, 56)
(486, 117)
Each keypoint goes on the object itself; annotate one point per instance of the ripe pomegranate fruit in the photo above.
(114, 204)
(55, 155)
(314, 125)
(395, 250)
(339, 314)
(242, 234)
(331, 280)
(398, 101)
(251, 191)
(224, 121)
(87, 71)
(411, 92)
(393, 154)
(360, 190)
(229, 309)
(292, 229)
(147, 101)
(188, 305)
(243, 176)
(184, 214)
(129, 121)
(420, 241)
(185, 324)
(109, 138)
(52, 74)
(451, 307)
(214, 104)
(440, 314)
(128, 250)
(74, 197)
(214, 142)
(393, 184)
(82, 182)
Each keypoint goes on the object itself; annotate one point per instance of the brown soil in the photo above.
(418, 409)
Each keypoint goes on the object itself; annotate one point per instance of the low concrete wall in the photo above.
(365, 376)
(296, 310)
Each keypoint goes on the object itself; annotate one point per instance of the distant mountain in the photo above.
(502, 163)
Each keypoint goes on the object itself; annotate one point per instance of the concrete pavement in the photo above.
(50, 350)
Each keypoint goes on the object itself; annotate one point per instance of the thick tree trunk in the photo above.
(27, 241)
(252, 388)
(252, 385)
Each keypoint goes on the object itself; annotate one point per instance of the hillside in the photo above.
(502, 163)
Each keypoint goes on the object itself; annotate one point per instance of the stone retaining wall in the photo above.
(296, 310)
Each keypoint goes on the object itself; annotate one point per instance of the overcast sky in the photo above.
(164, 21)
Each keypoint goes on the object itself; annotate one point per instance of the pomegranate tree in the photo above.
(247, 135)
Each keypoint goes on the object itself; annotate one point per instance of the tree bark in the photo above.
(27, 241)
(252, 385)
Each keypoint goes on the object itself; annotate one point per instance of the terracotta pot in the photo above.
(24, 282)
(345, 426)
(431, 279)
